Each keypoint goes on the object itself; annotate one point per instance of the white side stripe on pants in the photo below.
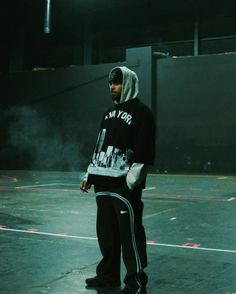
(131, 213)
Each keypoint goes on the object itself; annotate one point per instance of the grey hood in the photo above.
(130, 84)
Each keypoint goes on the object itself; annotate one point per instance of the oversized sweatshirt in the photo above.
(126, 138)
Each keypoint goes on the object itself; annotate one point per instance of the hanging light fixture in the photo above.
(47, 21)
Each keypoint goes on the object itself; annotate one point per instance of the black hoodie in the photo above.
(127, 136)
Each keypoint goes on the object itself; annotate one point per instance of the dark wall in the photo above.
(196, 110)
(49, 119)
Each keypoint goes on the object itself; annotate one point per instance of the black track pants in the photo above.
(119, 225)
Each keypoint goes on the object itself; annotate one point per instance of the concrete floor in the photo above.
(48, 240)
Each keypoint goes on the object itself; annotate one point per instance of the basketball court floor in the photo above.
(48, 240)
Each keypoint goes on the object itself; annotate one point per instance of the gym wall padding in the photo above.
(49, 118)
(196, 114)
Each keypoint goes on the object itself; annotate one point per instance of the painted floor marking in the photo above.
(194, 247)
(49, 184)
(184, 197)
(149, 188)
(192, 176)
(157, 213)
(32, 186)
(167, 196)
(152, 243)
(46, 234)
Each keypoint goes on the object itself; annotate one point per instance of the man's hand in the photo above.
(84, 186)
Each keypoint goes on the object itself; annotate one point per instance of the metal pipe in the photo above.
(47, 21)
(196, 44)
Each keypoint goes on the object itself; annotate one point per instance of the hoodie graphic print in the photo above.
(126, 136)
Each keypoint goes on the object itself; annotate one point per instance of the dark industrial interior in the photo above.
(91, 32)
(55, 56)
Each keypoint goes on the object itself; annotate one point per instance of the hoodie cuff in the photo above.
(136, 175)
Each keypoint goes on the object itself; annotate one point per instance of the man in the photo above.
(124, 150)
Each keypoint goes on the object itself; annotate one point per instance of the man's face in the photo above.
(115, 89)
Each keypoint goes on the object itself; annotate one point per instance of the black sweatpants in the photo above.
(119, 227)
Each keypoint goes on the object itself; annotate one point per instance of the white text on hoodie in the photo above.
(121, 115)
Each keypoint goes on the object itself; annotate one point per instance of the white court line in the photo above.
(47, 234)
(42, 185)
(31, 186)
(157, 213)
(149, 188)
(62, 184)
(68, 184)
(93, 238)
(196, 248)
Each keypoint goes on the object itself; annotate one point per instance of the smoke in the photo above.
(44, 144)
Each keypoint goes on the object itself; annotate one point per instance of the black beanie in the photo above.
(116, 76)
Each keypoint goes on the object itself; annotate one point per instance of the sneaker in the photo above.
(97, 283)
(126, 291)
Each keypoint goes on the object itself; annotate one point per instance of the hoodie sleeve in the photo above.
(136, 175)
(144, 146)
